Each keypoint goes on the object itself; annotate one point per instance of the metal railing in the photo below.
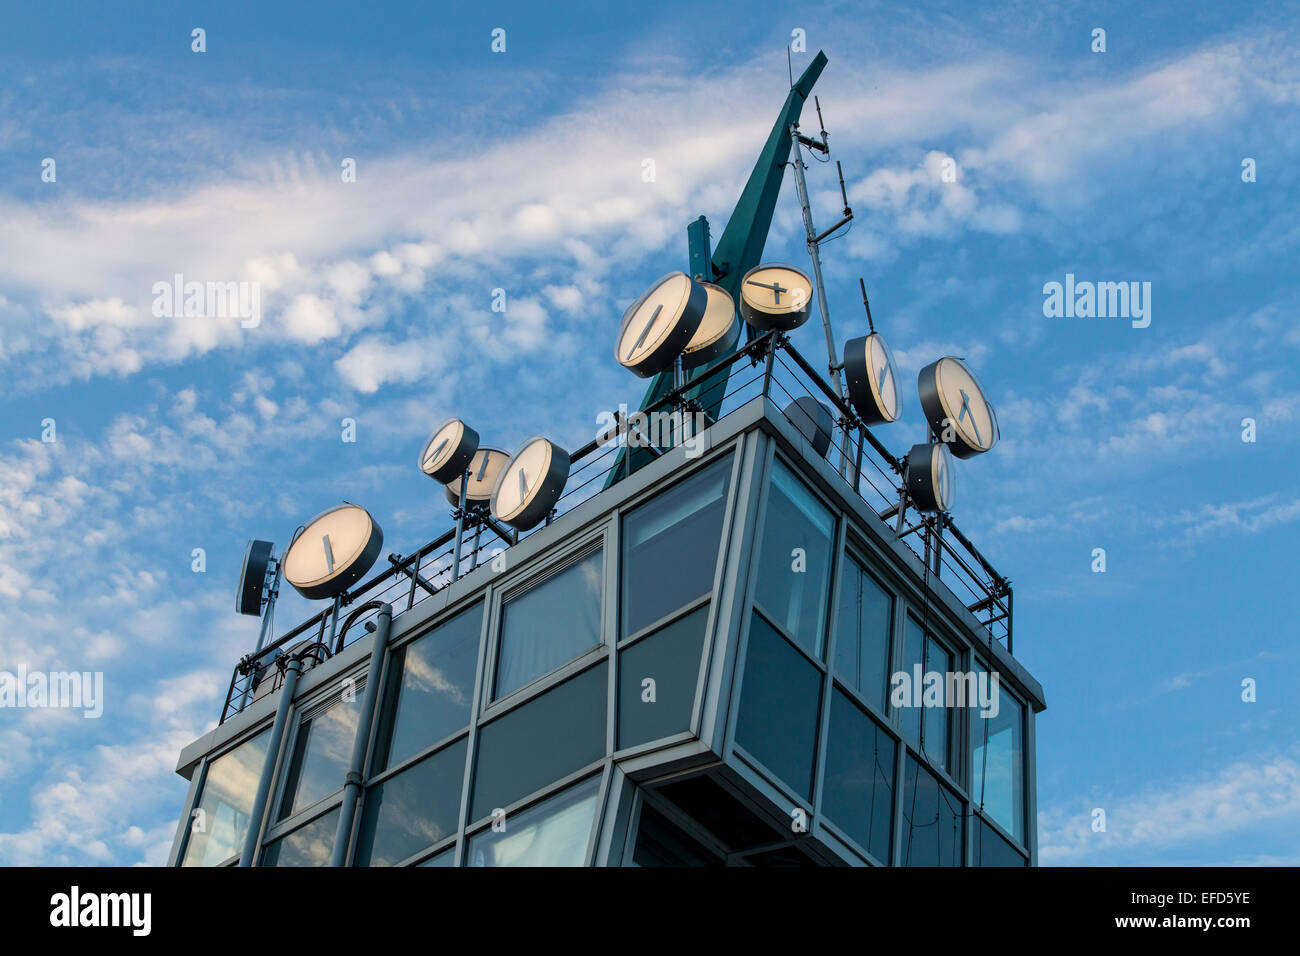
(768, 365)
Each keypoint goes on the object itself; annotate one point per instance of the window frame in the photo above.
(201, 788)
(526, 578)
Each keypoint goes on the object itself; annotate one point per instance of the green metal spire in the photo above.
(741, 246)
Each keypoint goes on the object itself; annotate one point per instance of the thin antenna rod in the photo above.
(866, 305)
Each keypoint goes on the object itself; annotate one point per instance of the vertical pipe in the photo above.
(460, 526)
(258, 811)
(361, 742)
(334, 623)
(815, 254)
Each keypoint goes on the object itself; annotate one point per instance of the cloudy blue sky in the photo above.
(522, 171)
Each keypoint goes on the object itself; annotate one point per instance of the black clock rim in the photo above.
(548, 490)
(355, 571)
(251, 587)
(720, 347)
(454, 466)
(920, 477)
(767, 321)
(662, 356)
(927, 388)
(858, 381)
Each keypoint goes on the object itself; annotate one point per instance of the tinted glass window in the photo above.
(432, 698)
(992, 850)
(932, 820)
(858, 789)
(997, 756)
(412, 810)
(670, 658)
(550, 624)
(321, 755)
(671, 547)
(541, 741)
(794, 563)
(923, 706)
(554, 832)
(779, 700)
(864, 619)
(446, 858)
(310, 845)
(225, 802)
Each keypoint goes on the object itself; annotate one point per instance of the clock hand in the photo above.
(775, 287)
(482, 467)
(881, 384)
(329, 552)
(523, 485)
(434, 454)
(967, 413)
(646, 331)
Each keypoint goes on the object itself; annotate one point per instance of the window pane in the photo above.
(671, 658)
(671, 547)
(864, 620)
(436, 691)
(992, 850)
(225, 803)
(412, 810)
(322, 753)
(921, 700)
(858, 790)
(794, 562)
(550, 624)
(445, 858)
(932, 820)
(997, 770)
(541, 741)
(554, 832)
(779, 699)
(311, 845)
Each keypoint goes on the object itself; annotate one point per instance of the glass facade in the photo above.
(933, 821)
(794, 560)
(656, 680)
(924, 714)
(309, 845)
(432, 688)
(321, 755)
(550, 624)
(670, 547)
(220, 820)
(554, 832)
(864, 621)
(997, 759)
(413, 809)
(858, 792)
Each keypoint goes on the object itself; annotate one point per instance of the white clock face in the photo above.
(333, 551)
(449, 450)
(775, 296)
(872, 379)
(942, 477)
(884, 383)
(718, 331)
(660, 324)
(531, 484)
(957, 407)
(484, 469)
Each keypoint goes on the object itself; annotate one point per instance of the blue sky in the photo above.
(522, 171)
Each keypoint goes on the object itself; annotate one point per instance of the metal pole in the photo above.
(360, 743)
(460, 527)
(815, 254)
(258, 811)
(271, 595)
(334, 623)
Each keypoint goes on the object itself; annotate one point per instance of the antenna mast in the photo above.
(814, 240)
